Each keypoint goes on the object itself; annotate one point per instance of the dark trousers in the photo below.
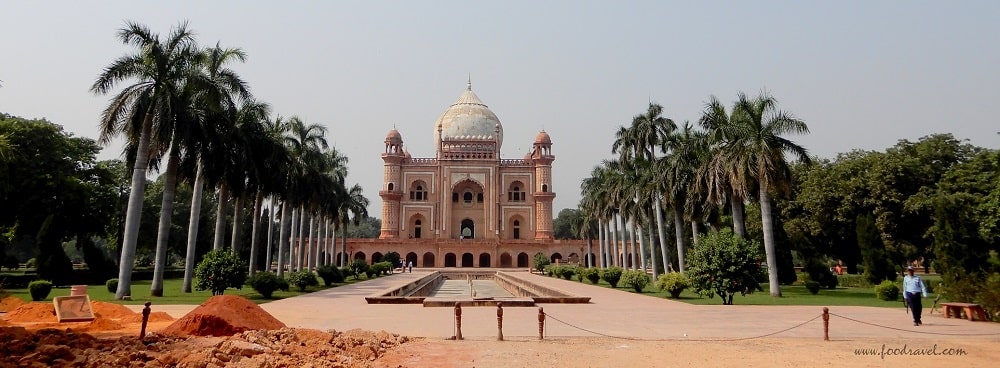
(916, 307)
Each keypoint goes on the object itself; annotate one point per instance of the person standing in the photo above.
(913, 290)
(411, 267)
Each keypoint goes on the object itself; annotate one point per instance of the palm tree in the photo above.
(159, 69)
(679, 168)
(723, 179)
(759, 149)
(354, 208)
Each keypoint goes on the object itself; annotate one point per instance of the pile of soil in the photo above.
(285, 347)
(33, 312)
(10, 303)
(223, 315)
(112, 311)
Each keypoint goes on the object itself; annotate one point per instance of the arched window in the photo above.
(517, 229)
(545, 188)
(418, 192)
(390, 187)
(467, 197)
(514, 192)
(416, 229)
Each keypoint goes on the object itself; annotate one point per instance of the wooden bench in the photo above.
(972, 311)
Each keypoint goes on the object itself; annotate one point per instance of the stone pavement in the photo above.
(610, 312)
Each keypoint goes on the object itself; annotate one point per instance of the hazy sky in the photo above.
(862, 74)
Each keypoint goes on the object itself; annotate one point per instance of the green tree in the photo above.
(541, 260)
(724, 264)
(158, 70)
(562, 226)
(220, 270)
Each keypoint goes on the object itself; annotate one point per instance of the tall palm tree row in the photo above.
(184, 105)
(739, 154)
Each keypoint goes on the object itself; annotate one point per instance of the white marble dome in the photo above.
(468, 118)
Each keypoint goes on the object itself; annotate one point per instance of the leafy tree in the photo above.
(302, 279)
(877, 265)
(612, 275)
(219, 270)
(541, 260)
(562, 226)
(265, 283)
(635, 279)
(724, 264)
(392, 258)
(358, 267)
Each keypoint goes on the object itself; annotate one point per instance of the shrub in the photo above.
(541, 260)
(611, 275)
(381, 268)
(112, 285)
(348, 271)
(330, 275)
(724, 264)
(635, 279)
(392, 258)
(673, 283)
(857, 281)
(283, 284)
(265, 283)
(302, 279)
(812, 286)
(360, 267)
(567, 272)
(39, 289)
(579, 274)
(552, 270)
(31, 263)
(887, 291)
(801, 278)
(591, 274)
(821, 274)
(219, 270)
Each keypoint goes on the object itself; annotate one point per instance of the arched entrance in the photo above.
(522, 259)
(359, 255)
(556, 258)
(428, 260)
(416, 224)
(467, 260)
(484, 260)
(468, 229)
(376, 257)
(449, 260)
(505, 260)
(411, 258)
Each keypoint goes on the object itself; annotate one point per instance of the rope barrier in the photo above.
(915, 331)
(681, 339)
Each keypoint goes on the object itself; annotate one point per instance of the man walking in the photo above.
(913, 290)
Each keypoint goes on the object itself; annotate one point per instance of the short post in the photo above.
(145, 319)
(458, 321)
(826, 324)
(499, 321)
(541, 324)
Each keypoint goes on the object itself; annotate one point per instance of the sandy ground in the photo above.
(605, 352)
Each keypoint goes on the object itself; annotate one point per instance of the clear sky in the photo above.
(862, 74)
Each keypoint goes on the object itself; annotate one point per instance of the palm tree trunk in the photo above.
(237, 243)
(310, 242)
(270, 237)
(652, 249)
(326, 241)
(694, 232)
(163, 230)
(253, 232)
(590, 251)
(664, 255)
(613, 227)
(767, 225)
(679, 234)
(343, 250)
(739, 223)
(343, 240)
(220, 217)
(631, 245)
(601, 244)
(642, 248)
(134, 213)
(193, 221)
(292, 244)
(283, 237)
(300, 257)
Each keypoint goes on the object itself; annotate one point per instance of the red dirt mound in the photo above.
(153, 317)
(223, 315)
(10, 303)
(33, 312)
(112, 311)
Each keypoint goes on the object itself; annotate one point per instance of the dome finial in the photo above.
(468, 85)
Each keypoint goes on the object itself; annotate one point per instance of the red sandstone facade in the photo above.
(467, 206)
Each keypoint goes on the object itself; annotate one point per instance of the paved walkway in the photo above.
(611, 312)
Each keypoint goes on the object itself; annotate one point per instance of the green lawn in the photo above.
(172, 293)
(791, 295)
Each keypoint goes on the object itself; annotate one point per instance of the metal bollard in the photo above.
(458, 321)
(541, 323)
(145, 319)
(826, 324)
(499, 321)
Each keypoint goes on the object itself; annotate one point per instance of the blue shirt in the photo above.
(913, 284)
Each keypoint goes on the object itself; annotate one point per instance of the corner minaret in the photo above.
(392, 192)
(541, 158)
